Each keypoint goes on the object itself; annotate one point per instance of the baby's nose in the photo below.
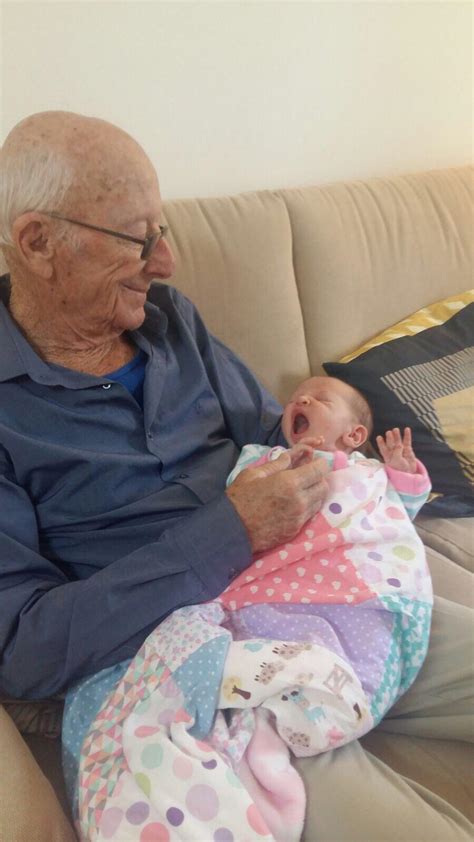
(304, 400)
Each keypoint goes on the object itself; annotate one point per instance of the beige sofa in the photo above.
(289, 279)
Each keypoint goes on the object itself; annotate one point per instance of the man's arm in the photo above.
(54, 631)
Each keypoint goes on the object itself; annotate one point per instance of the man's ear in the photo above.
(33, 242)
(355, 437)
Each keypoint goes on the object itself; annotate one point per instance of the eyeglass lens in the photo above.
(151, 242)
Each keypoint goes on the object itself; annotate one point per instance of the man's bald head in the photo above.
(57, 160)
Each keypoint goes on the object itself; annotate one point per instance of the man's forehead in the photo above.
(124, 188)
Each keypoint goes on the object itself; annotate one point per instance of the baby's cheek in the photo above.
(286, 428)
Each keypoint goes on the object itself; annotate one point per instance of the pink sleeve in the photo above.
(405, 483)
(340, 460)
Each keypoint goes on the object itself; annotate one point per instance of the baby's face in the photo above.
(320, 407)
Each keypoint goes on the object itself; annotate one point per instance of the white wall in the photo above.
(231, 96)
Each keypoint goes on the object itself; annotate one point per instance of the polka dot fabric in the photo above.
(359, 546)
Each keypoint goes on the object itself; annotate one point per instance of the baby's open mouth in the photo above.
(300, 424)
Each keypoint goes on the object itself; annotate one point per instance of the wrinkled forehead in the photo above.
(116, 175)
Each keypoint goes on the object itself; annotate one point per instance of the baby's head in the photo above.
(329, 409)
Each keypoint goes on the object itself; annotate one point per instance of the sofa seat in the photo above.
(451, 537)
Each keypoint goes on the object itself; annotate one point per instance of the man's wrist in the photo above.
(216, 544)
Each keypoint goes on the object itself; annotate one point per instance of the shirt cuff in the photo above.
(418, 483)
(216, 545)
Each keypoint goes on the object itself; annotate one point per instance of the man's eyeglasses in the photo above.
(148, 243)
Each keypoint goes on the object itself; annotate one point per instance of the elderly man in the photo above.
(120, 417)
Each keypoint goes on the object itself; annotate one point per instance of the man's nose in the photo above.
(161, 263)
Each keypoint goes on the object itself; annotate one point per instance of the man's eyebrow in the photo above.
(150, 224)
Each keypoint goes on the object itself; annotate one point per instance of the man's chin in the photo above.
(131, 319)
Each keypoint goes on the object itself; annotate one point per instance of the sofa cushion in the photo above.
(449, 579)
(453, 538)
(234, 260)
(366, 253)
(420, 373)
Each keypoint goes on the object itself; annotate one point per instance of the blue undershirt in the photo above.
(132, 376)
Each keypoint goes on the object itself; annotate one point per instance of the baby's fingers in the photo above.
(382, 446)
(407, 442)
(394, 438)
(301, 454)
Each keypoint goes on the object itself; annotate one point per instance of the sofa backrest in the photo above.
(292, 278)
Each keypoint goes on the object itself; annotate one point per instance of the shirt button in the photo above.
(150, 434)
(106, 385)
(232, 573)
(184, 476)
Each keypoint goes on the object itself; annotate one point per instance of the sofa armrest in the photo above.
(29, 809)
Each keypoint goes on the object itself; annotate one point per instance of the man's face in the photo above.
(101, 282)
(321, 406)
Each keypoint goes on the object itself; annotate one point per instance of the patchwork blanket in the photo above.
(306, 650)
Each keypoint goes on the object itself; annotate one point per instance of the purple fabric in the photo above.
(360, 635)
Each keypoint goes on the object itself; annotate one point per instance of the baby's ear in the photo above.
(356, 436)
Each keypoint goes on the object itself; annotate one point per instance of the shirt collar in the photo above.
(18, 358)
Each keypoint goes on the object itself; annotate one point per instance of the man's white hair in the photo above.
(35, 178)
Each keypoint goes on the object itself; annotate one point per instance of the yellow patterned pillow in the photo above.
(434, 314)
(420, 373)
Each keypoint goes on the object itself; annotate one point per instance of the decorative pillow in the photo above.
(419, 373)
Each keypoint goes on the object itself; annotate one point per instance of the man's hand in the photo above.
(397, 452)
(276, 499)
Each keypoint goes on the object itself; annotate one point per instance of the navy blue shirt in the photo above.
(111, 515)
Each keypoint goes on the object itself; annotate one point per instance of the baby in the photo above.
(355, 578)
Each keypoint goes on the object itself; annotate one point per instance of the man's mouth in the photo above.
(300, 424)
(136, 290)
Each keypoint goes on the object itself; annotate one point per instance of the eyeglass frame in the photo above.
(148, 243)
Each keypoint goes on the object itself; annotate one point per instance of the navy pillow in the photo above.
(426, 381)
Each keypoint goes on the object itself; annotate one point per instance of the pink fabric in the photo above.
(272, 782)
(415, 484)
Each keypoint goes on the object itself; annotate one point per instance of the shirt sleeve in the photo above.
(413, 489)
(54, 630)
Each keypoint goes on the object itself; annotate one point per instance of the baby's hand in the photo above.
(302, 453)
(312, 441)
(397, 452)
